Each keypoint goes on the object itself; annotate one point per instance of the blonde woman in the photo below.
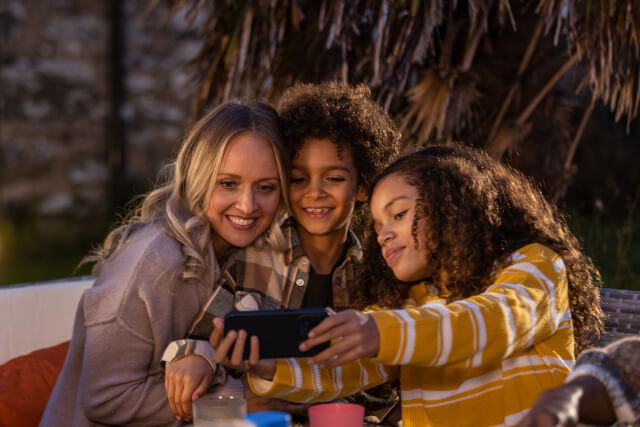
(155, 271)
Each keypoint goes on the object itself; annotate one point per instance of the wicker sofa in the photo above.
(622, 308)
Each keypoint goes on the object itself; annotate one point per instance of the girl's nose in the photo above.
(384, 236)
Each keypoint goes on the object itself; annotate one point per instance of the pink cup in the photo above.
(336, 415)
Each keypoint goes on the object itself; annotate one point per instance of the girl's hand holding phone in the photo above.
(355, 333)
(230, 349)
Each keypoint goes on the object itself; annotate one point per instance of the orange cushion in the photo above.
(26, 383)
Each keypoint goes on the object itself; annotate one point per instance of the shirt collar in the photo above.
(294, 248)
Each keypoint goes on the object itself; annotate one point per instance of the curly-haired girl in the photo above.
(485, 296)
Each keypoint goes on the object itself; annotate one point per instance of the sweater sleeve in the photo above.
(526, 303)
(127, 393)
(130, 315)
(298, 381)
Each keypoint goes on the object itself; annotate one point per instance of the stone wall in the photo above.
(64, 123)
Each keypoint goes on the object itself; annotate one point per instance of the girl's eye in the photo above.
(266, 188)
(400, 215)
(227, 185)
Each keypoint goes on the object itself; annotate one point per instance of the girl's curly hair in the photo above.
(479, 211)
(347, 116)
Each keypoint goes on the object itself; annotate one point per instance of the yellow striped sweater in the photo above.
(480, 361)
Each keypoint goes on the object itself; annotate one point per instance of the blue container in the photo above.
(270, 419)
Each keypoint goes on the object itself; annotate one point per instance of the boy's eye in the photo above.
(297, 179)
(227, 185)
(400, 215)
(266, 188)
(336, 179)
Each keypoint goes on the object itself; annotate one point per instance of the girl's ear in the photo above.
(362, 194)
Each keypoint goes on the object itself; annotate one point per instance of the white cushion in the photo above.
(37, 315)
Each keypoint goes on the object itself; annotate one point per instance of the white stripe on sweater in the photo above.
(482, 332)
(510, 326)
(526, 298)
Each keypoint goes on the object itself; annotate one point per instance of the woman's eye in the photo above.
(227, 185)
(266, 188)
(400, 215)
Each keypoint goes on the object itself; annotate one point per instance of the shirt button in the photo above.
(299, 282)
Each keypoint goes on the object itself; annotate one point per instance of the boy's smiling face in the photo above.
(324, 188)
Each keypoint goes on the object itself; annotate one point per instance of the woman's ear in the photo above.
(362, 194)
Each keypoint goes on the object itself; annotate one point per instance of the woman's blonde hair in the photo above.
(179, 201)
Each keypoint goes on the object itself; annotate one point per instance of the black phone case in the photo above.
(280, 332)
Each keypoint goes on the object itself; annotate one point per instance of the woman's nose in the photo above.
(246, 202)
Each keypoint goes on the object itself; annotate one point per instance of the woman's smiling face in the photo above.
(393, 208)
(246, 194)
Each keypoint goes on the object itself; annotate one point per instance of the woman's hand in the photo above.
(230, 349)
(356, 336)
(185, 380)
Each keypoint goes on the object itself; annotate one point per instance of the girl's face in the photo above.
(246, 193)
(393, 207)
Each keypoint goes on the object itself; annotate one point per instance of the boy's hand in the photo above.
(185, 380)
(229, 351)
(356, 336)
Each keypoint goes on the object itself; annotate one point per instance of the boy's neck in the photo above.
(324, 251)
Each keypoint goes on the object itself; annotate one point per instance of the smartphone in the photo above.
(280, 332)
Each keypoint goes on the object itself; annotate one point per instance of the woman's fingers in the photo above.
(170, 388)
(184, 404)
(200, 389)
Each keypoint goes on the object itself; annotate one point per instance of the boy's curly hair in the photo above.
(479, 211)
(348, 117)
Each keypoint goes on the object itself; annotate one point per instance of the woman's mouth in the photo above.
(241, 223)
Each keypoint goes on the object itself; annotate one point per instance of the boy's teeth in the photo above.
(241, 221)
(317, 210)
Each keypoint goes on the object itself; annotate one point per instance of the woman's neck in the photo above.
(221, 247)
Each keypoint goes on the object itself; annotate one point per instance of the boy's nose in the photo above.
(316, 189)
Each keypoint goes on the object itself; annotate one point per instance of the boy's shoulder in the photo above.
(265, 261)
